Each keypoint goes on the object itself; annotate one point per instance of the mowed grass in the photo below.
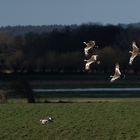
(100, 120)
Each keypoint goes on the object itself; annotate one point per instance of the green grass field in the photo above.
(100, 120)
(85, 116)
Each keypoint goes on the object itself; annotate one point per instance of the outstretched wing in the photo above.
(117, 71)
(89, 45)
(86, 51)
(94, 57)
(132, 58)
(117, 74)
(135, 48)
(114, 78)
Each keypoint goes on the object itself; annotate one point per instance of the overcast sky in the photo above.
(66, 12)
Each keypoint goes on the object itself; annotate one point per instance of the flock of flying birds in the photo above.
(93, 58)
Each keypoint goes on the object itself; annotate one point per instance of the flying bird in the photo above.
(93, 59)
(89, 45)
(117, 73)
(135, 52)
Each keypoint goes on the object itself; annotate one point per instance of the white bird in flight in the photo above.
(93, 59)
(89, 45)
(117, 73)
(135, 52)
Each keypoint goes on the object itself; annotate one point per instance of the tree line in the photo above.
(61, 49)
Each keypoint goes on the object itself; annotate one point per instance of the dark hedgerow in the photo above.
(22, 88)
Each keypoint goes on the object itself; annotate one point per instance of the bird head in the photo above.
(84, 42)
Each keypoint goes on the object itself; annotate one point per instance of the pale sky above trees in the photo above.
(47, 12)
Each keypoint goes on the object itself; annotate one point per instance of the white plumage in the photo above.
(116, 75)
(43, 121)
(46, 120)
(93, 59)
(135, 52)
(89, 45)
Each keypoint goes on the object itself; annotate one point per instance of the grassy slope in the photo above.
(77, 121)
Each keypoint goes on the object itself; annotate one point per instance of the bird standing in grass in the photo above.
(117, 73)
(93, 59)
(89, 45)
(46, 120)
(135, 52)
